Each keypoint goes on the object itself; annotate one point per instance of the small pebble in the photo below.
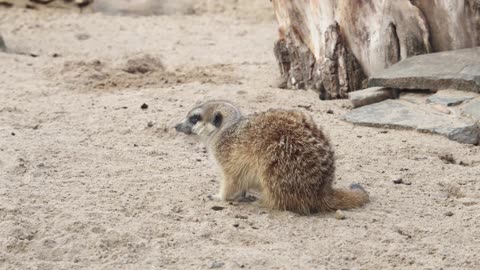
(217, 208)
(340, 215)
(306, 107)
(150, 124)
(82, 36)
(447, 158)
(449, 214)
(144, 106)
(13, 133)
(329, 111)
(400, 181)
(236, 225)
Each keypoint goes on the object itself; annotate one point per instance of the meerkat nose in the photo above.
(178, 127)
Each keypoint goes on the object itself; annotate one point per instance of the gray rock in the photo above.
(371, 95)
(458, 69)
(473, 110)
(450, 97)
(3, 48)
(402, 114)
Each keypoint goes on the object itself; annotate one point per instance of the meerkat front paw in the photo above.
(246, 199)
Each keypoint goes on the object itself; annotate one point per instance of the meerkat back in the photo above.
(294, 160)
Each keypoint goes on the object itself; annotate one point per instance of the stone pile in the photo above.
(437, 93)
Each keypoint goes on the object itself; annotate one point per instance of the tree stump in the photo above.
(332, 46)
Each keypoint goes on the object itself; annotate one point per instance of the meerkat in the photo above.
(282, 154)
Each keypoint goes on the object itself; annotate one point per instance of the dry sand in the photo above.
(89, 180)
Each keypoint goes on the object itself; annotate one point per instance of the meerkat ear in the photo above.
(217, 119)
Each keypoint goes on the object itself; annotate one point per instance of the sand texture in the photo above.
(89, 180)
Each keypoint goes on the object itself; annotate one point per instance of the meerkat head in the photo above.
(207, 118)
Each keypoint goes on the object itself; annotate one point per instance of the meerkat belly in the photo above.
(237, 162)
(245, 168)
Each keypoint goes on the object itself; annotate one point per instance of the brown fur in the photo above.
(281, 153)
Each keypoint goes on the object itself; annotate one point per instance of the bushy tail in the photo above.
(354, 197)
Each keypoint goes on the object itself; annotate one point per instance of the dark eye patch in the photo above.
(194, 118)
(217, 121)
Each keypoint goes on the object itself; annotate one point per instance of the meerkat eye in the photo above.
(195, 118)
(218, 119)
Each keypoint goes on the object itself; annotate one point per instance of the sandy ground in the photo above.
(89, 180)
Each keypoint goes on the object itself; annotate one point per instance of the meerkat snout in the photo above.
(281, 153)
(192, 121)
(183, 128)
(180, 127)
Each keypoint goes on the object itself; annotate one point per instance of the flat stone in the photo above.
(450, 97)
(371, 95)
(458, 69)
(415, 97)
(405, 115)
(473, 110)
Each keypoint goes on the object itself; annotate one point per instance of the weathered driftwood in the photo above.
(331, 46)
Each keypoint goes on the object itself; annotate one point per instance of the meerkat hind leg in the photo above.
(229, 191)
(233, 188)
(246, 198)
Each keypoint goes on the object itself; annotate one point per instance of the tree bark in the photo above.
(332, 46)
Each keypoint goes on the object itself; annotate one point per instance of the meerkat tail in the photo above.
(354, 197)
